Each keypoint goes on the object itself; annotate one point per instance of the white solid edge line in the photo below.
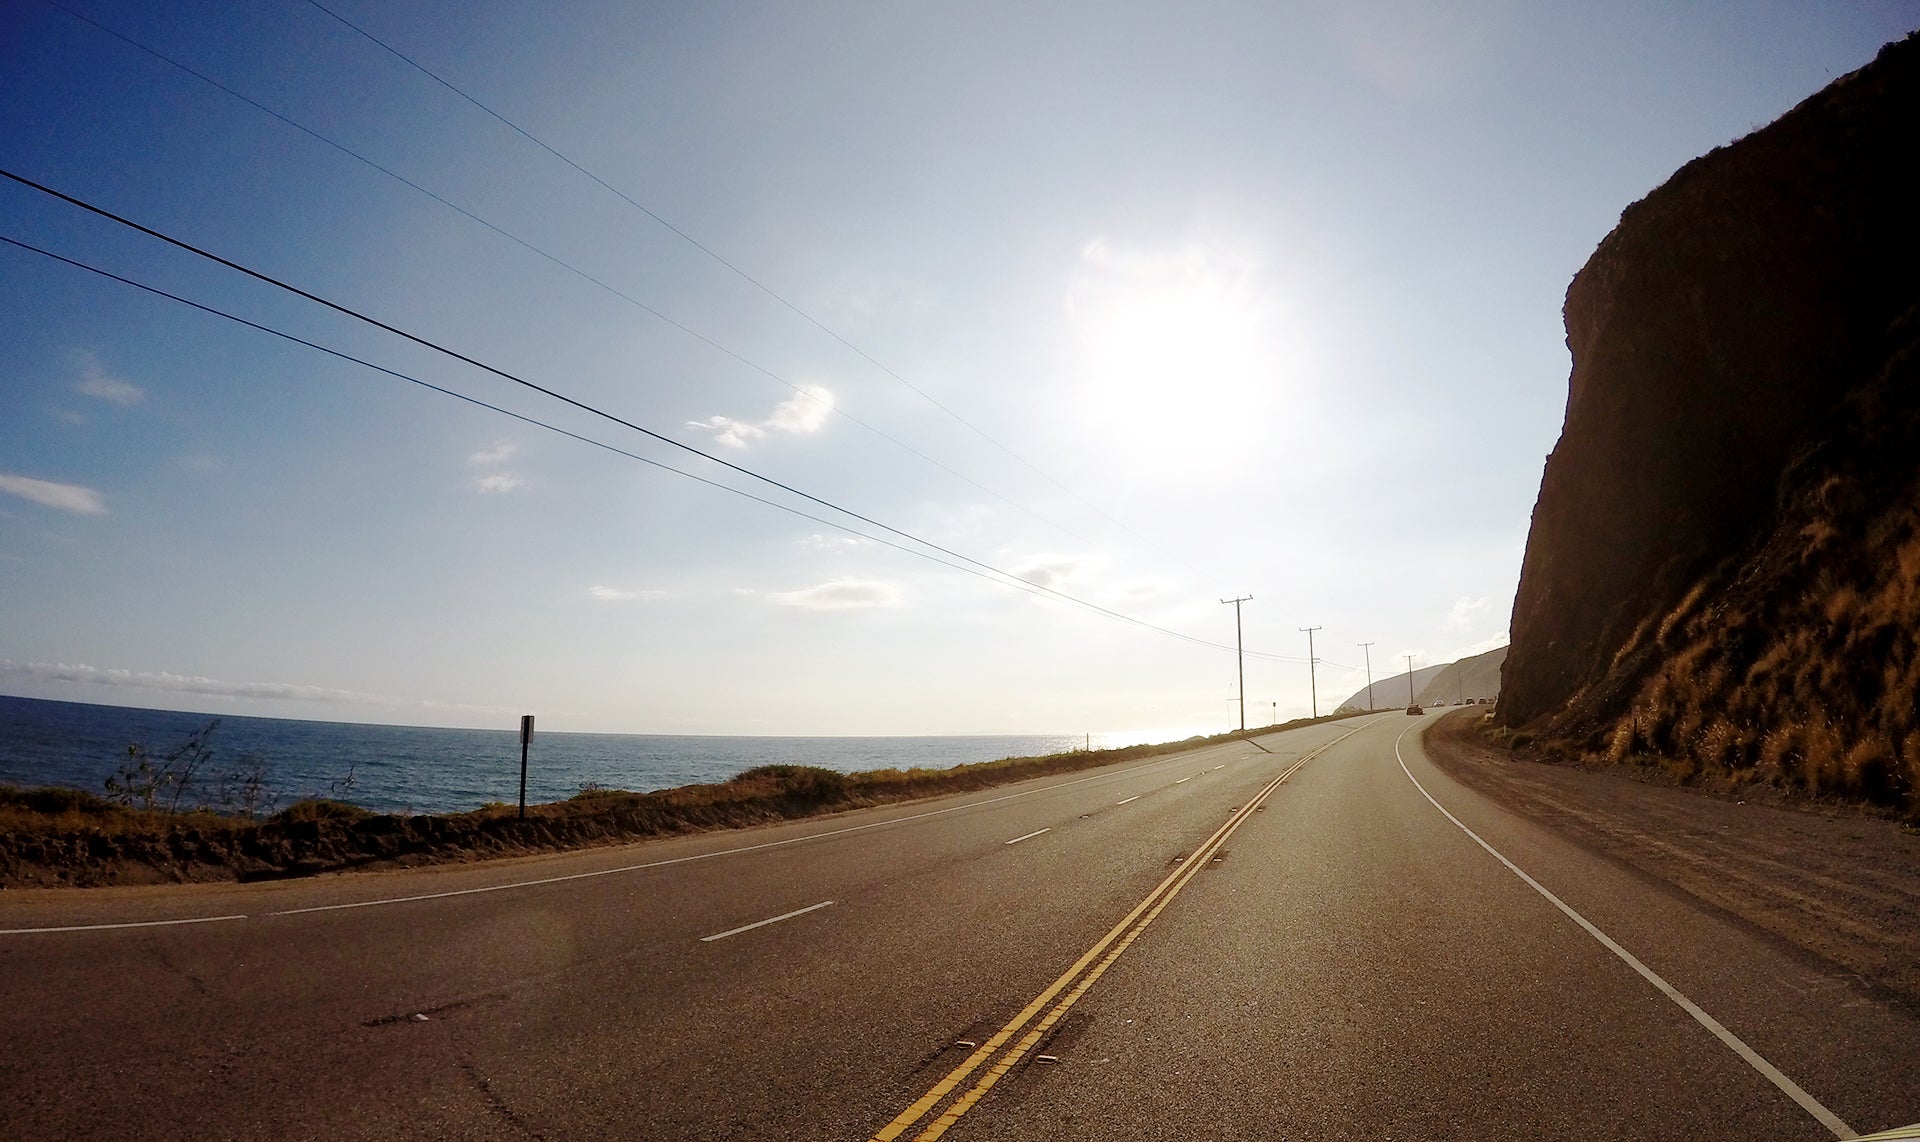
(764, 923)
(130, 924)
(1771, 1073)
(1029, 836)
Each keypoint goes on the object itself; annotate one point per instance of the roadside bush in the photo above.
(319, 809)
(804, 782)
(51, 800)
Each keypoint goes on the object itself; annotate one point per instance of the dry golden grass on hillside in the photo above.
(1810, 683)
(1797, 662)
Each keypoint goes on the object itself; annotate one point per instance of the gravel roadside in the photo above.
(1830, 880)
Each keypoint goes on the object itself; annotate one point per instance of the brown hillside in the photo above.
(1724, 565)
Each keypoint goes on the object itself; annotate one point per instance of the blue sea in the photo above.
(408, 769)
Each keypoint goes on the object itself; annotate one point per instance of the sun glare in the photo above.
(1179, 351)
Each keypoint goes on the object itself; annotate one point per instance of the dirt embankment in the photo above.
(1832, 880)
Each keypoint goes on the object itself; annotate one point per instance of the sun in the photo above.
(1180, 354)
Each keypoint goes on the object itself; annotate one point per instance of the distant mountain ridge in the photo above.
(1392, 693)
(1476, 677)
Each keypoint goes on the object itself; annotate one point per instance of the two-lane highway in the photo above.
(1182, 947)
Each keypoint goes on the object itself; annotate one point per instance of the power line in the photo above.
(554, 258)
(590, 409)
(1007, 581)
(711, 253)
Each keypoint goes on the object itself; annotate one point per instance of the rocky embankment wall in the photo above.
(1726, 523)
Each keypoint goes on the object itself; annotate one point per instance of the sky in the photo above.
(1098, 313)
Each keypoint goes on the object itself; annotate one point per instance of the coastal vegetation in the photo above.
(158, 831)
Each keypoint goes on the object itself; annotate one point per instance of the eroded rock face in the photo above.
(1715, 335)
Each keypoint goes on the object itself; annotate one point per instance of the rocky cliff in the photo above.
(1727, 538)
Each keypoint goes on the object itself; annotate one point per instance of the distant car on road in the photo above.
(1415, 710)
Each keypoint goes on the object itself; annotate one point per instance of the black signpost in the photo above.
(526, 739)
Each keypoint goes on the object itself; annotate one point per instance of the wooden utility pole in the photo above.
(1366, 648)
(526, 739)
(1313, 683)
(1240, 656)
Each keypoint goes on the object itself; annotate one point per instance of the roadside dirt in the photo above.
(1830, 880)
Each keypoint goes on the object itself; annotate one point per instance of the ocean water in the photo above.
(421, 770)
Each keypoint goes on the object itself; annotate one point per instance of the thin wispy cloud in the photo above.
(840, 595)
(801, 414)
(492, 456)
(728, 431)
(1049, 570)
(1139, 590)
(65, 497)
(495, 454)
(1481, 647)
(167, 682)
(96, 382)
(606, 594)
(833, 544)
(1464, 612)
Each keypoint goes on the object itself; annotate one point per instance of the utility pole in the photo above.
(1366, 648)
(1239, 655)
(1409, 679)
(1313, 685)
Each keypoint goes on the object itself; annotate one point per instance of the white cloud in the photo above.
(1481, 647)
(802, 413)
(99, 384)
(834, 544)
(495, 454)
(498, 482)
(728, 431)
(620, 594)
(1049, 570)
(196, 684)
(840, 595)
(66, 497)
(1139, 590)
(1464, 611)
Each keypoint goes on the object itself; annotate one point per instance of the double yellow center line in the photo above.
(1074, 983)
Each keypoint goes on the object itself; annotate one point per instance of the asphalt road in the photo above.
(1175, 949)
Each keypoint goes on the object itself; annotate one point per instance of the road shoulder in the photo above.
(1841, 887)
